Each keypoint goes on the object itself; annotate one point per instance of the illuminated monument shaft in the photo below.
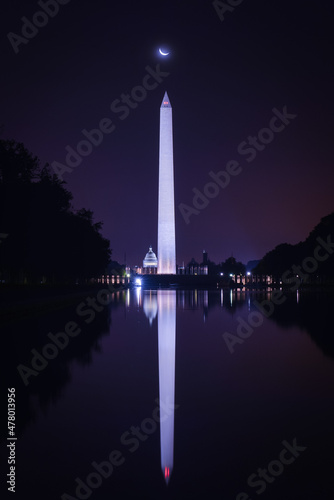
(166, 210)
(166, 343)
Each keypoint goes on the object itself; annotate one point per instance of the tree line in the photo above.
(43, 238)
(310, 259)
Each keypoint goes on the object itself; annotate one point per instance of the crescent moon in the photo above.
(163, 53)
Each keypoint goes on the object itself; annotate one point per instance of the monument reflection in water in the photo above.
(163, 303)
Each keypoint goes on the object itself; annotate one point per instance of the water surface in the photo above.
(178, 394)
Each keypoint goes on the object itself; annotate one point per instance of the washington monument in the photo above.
(166, 209)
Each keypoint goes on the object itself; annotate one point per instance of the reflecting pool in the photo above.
(175, 394)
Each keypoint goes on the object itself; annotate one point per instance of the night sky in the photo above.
(224, 78)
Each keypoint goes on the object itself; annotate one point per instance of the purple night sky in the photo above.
(224, 80)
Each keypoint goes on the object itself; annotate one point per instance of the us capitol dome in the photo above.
(150, 259)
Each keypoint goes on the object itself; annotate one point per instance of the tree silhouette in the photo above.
(283, 257)
(231, 266)
(47, 240)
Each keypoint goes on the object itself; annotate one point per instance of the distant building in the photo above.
(194, 268)
(150, 263)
